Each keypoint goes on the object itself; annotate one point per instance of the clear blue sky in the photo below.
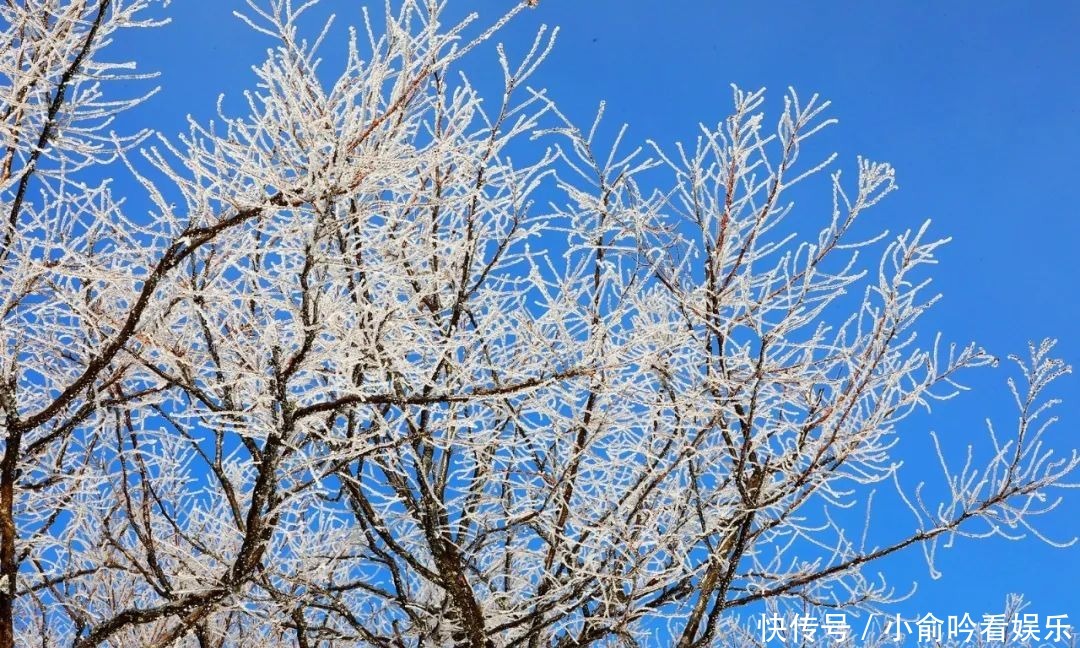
(975, 103)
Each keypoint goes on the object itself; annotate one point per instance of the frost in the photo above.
(391, 363)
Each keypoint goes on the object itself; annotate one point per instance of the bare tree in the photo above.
(347, 382)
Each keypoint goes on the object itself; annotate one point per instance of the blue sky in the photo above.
(975, 103)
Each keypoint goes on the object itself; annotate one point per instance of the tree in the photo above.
(345, 381)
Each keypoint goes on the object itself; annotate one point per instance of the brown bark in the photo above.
(8, 565)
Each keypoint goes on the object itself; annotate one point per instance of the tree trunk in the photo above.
(8, 565)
